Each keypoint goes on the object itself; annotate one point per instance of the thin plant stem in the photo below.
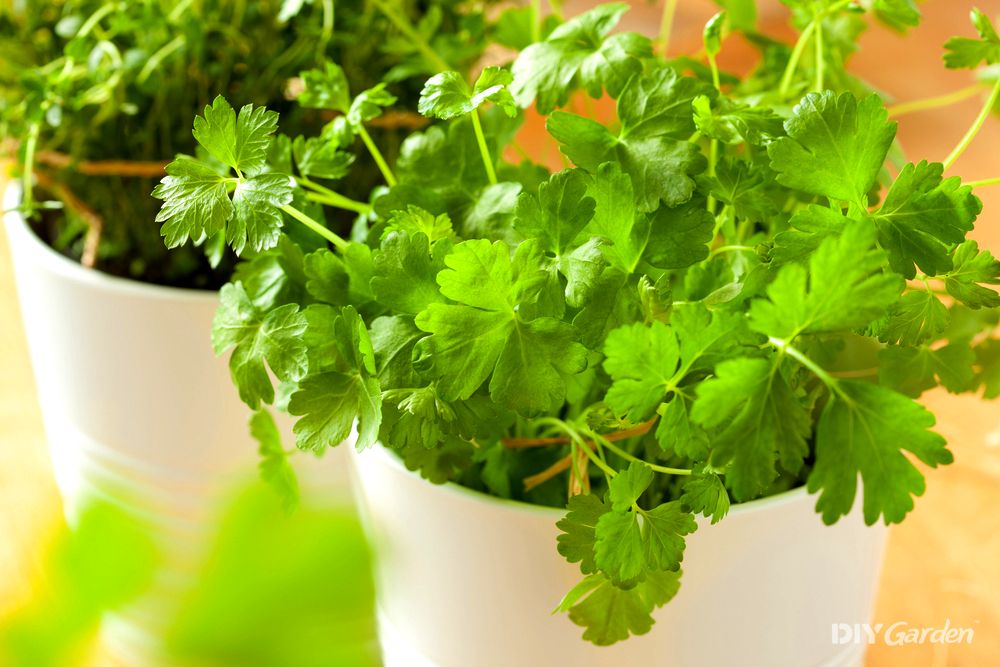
(536, 20)
(484, 150)
(937, 102)
(158, 57)
(338, 243)
(629, 457)
(376, 154)
(984, 182)
(27, 182)
(328, 196)
(784, 347)
(793, 60)
(976, 126)
(820, 59)
(403, 24)
(667, 25)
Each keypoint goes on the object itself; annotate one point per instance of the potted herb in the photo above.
(732, 294)
(97, 98)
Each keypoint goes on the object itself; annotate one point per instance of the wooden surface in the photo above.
(943, 563)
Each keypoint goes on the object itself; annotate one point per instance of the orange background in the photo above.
(943, 562)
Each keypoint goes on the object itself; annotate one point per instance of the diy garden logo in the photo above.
(900, 633)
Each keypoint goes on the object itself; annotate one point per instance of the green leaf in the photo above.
(485, 335)
(619, 550)
(651, 146)
(611, 614)
(677, 433)
(275, 468)
(415, 220)
(972, 269)
(329, 402)
(196, 202)
(922, 217)
(918, 317)
(576, 541)
(705, 494)
(757, 421)
(864, 430)
(742, 13)
(808, 229)
(642, 362)
(900, 15)
(447, 95)
(579, 53)
(711, 36)
(844, 288)
(319, 158)
(965, 53)
(325, 88)
(663, 531)
(679, 237)
(627, 486)
(257, 217)
(405, 272)
(558, 214)
(914, 370)
(835, 147)
(988, 360)
(368, 105)
(734, 123)
(256, 337)
(238, 141)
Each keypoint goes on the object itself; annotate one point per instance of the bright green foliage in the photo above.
(256, 337)
(447, 95)
(642, 362)
(579, 54)
(275, 468)
(835, 146)
(726, 296)
(966, 53)
(197, 197)
(706, 494)
(972, 270)
(756, 420)
(922, 217)
(861, 432)
(329, 402)
(843, 288)
(482, 335)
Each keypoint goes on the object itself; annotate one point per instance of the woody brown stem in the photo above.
(93, 221)
(127, 168)
(522, 443)
(556, 468)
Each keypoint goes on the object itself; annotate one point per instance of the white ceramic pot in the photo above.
(467, 579)
(137, 408)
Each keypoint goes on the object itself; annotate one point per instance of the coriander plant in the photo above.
(738, 285)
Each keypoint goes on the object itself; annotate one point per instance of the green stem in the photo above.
(28, 175)
(714, 66)
(338, 243)
(404, 26)
(667, 25)
(793, 60)
(984, 182)
(327, 196)
(483, 148)
(820, 59)
(95, 18)
(976, 126)
(376, 154)
(536, 20)
(158, 57)
(328, 23)
(629, 457)
(935, 102)
(573, 435)
(784, 347)
(732, 248)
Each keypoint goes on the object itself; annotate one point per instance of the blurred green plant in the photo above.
(278, 590)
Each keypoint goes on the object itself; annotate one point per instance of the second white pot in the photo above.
(467, 579)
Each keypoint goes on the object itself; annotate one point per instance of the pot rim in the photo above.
(46, 255)
(387, 457)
